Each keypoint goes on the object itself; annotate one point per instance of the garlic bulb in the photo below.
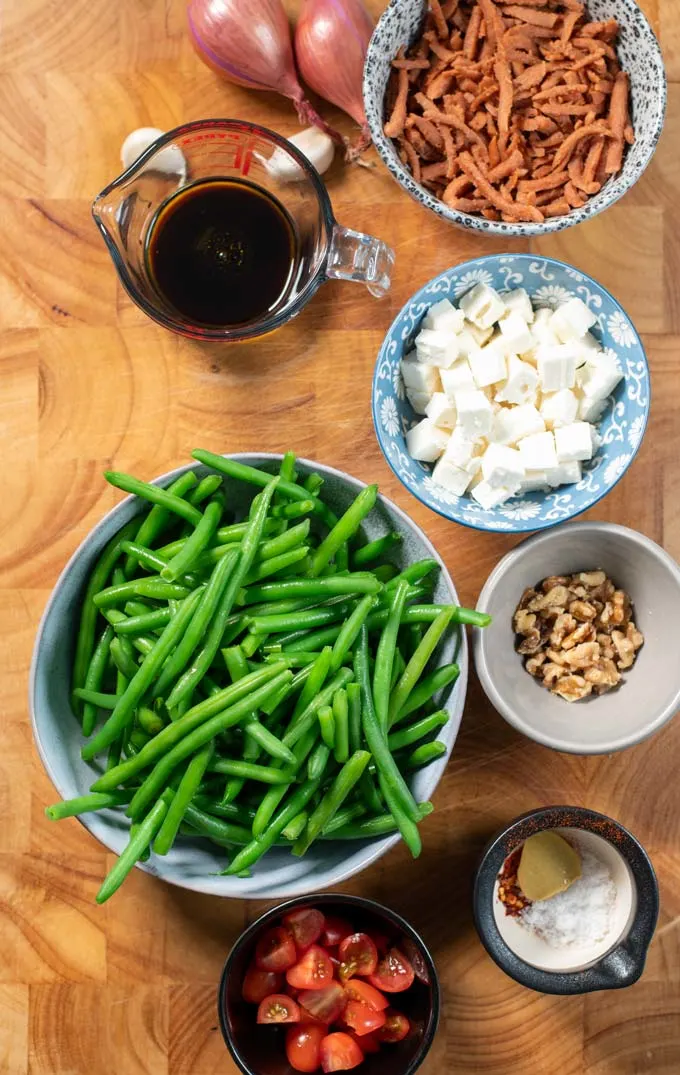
(316, 146)
(169, 160)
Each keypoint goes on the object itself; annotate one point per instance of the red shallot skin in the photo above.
(331, 39)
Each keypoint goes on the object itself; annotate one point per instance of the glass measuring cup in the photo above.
(126, 209)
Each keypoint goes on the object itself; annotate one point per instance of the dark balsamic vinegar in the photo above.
(221, 252)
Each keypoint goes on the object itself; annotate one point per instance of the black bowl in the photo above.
(259, 1050)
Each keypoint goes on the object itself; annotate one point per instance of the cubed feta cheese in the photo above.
(418, 400)
(460, 449)
(572, 320)
(564, 474)
(488, 497)
(482, 305)
(518, 301)
(436, 348)
(538, 451)
(419, 376)
(533, 480)
(426, 441)
(591, 410)
(479, 335)
(587, 346)
(457, 378)
(488, 364)
(516, 333)
(556, 366)
(502, 467)
(451, 477)
(513, 423)
(441, 411)
(443, 317)
(475, 413)
(574, 442)
(521, 384)
(559, 408)
(599, 376)
(541, 326)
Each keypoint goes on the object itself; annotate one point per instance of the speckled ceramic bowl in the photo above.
(639, 54)
(614, 961)
(195, 863)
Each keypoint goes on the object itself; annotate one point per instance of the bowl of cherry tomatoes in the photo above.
(329, 983)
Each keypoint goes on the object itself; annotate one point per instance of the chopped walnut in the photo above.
(577, 634)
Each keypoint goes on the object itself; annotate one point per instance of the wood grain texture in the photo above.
(86, 382)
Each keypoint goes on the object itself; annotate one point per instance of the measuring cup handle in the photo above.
(355, 256)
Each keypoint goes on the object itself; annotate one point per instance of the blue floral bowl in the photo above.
(622, 426)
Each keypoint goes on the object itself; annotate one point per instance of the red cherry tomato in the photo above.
(339, 1052)
(368, 1043)
(307, 1019)
(393, 974)
(381, 941)
(325, 1004)
(415, 958)
(358, 955)
(303, 1047)
(334, 931)
(259, 984)
(278, 1008)
(313, 970)
(364, 993)
(361, 1018)
(395, 1028)
(306, 925)
(275, 950)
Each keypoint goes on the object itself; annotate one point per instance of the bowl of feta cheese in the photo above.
(511, 393)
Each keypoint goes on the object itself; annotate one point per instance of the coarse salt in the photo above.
(580, 916)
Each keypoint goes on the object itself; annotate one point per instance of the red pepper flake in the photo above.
(509, 892)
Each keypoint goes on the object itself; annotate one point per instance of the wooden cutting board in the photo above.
(86, 382)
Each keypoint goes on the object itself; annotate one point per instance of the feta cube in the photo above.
(541, 326)
(587, 346)
(457, 378)
(574, 442)
(460, 449)
(479, 335)
(502, 467)
(488, 497)
(441, 411)
(521, 384)
(538, 451)
(426, 441)
(436, 348)
(512, 423)
(418, 400)
(482, 305)
(559, 408)
(591, 410)
(516, 333)
(475, 413)
(451, 477)
(599, 376)
(533, 480)
(571, 320)
(488, 365)
(556, 366)
(443, 317)
(518, 301)
(564, 474)
(419, 376)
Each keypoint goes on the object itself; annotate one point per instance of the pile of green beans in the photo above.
(256, 682)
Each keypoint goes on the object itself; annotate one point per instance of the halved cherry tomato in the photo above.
(306, 925)
(364, 993)
(259, 984)
(415, 958)
(339, 1052)
(313, 970)
(303, 1047)
(278, 1008)
(381, 941)
(326, 1004)
(395, 1028)
(393, 974)
(275, 950)
(334, 931)
(361, 1018)
(368, 1043)
(307, 1019)
(358, 955)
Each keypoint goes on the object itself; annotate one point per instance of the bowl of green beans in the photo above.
(249, 677)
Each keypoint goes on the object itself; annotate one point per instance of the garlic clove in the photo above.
(317, 147)
(170, 160)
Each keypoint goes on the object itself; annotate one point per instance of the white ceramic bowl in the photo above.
(194, 864)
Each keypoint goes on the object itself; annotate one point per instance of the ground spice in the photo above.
(509, 892)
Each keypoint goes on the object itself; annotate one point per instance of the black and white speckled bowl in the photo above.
(639, 54)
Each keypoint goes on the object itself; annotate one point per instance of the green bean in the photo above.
(367, 554)
(94, 677)
(245, 473)
(152, 561)
(237, 667)
(414, 572)
(98, 699)
(341, 718)
(155, 494)
(294, 509)
(317, 761)
(304, 720)
(344, 529)
(418, 730)
(346, 815)
(369, 793)
(311, 640)
(274, 546)
(155, 522)
(273, 797)
(384, 658)
(138, 843)
(385, 572)
(327, 725)
(85, 804)
(206, 488)
(332, 800)
(252, 642)
(258, 846)
(295, 827)
(315, 680)
(313, 483)
(264, 568)
(235, 531)
(141, 681)
(148, 621)
(221, 832)
(231, 811)
(322, 588)
(301, 620)
(287, 467)
(350, 630)
(425, 754)
(381, 825)
(249, 771)
(416, 666)
(299, 659)
(411, 614)
(397, 668)
(149, 721)
(203, 533)
(183, 797)
(269, 742)
(354, 716)
(157, 589)
(427, 688)
(114, 751)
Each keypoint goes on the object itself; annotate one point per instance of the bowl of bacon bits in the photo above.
(515, 119)
(328, 984)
